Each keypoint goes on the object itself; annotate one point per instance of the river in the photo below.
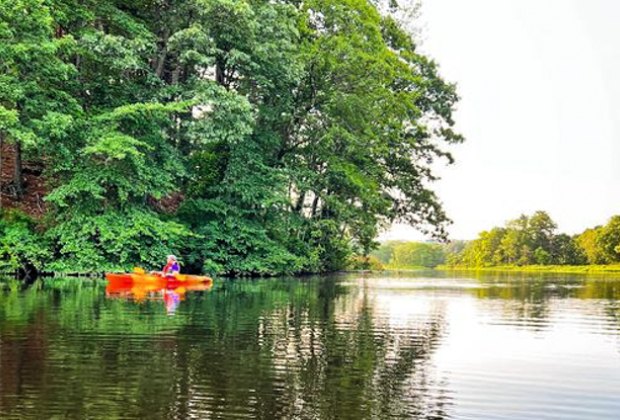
(419, 345)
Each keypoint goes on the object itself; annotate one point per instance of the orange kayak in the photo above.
(155, 278)
(139, 286)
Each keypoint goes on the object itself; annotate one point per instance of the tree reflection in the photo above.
(315, 348)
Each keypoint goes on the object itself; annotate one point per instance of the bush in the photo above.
(21, 246)
(114, 241)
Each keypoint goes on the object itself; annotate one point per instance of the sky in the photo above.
(539, 82)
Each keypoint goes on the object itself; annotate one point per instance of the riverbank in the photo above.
(558, 269)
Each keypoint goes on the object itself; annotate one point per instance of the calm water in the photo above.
(316, 348)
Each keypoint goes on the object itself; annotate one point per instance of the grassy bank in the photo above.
(585, 269)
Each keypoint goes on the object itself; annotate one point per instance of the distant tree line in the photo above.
(527, 240)
(534, 240)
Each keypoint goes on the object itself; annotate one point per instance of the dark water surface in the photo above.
(345, 347)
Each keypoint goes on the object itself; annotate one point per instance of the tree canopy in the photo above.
(247, 136)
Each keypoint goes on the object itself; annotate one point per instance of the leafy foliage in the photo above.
(251, 137)
(601, 245)
(533, 241)
(20, 243)
(116, 240)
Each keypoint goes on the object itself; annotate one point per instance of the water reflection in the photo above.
(170, 293)
(316, 348)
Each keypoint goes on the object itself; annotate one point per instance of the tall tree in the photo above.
(33, 76)
(359, 143)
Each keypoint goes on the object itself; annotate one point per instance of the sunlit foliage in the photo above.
(534, 240)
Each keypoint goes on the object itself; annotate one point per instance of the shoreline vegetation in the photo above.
(249, 138)
(554, 269)
(528, 244)
(551, 269)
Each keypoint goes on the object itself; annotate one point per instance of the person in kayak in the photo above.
(172, 266)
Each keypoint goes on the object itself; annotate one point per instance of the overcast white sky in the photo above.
(540, 85)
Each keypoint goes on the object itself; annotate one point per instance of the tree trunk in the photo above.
(18, 177)
(300, 203)
(315, 204)
(160, 60)
(220, 71)
(176, 73)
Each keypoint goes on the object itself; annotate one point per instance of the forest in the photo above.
(248, 137)
(525, 241)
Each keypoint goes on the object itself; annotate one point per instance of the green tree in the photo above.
(355, 145)
(540, 230)
(565, 251)
(541, 256)
(589, 244)
(511, 246)
(34, 76)
(609, 240)
(484, 251)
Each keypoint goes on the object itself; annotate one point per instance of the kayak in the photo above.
(141, 285)
(155, 278)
